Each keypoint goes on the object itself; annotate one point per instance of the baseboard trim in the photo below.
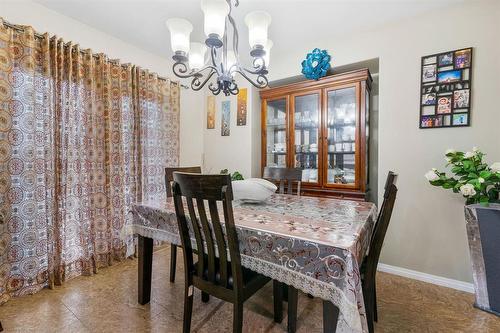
(434, 279)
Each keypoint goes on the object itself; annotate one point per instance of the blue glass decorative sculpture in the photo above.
(316, 64)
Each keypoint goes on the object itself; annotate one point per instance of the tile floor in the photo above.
(107, 302)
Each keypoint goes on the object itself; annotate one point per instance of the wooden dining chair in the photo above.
(368, 268)
(169, 178)
(283, 175)
(215, 273)
(391, 179)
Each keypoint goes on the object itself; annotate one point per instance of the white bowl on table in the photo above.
(253, 190)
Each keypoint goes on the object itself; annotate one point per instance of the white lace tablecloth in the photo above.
(313, 244)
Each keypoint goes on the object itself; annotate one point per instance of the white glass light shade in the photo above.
(267, 48)
(257, 22)
(215, 12)
(180, 29)
(197, 55)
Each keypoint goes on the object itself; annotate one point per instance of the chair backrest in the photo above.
(391, 179)
(169, 176)
(196, 189)
(284, 174)
(380, 230)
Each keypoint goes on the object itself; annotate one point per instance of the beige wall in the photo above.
(45, 20)
(234, 152)
(427, 232)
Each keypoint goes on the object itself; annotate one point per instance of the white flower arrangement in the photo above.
(495, 167)
(467, 190)
(474, 179)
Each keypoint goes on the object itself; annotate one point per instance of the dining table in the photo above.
(314, 244)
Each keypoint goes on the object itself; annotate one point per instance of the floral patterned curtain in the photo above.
(81, 139)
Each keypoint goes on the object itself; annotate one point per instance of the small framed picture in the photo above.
(445, 59)
(465, 74)
(460, 119)
(461, 98)
(429, 99)
(438, 121)
(447, 120)
(430, 60)
(445, 68)
(444, 105)
(426, 122)
(429, 73)
(428, 110)
(449, 76)
(462, 58)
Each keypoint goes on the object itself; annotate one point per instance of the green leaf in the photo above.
(485, 174)
(237, 176)
(447, 185)
(438, 182)
(467, 165)
(493, 194)
(484, 200)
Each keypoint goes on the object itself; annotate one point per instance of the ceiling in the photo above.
(141, 22)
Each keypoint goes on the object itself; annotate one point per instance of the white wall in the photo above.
(236, 151)
(43, 19)
(427, 232)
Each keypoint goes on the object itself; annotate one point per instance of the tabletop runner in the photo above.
(313, 244)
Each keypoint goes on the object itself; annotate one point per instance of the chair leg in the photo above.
(188, 308)
(369, 303)
(278, 301)
(375, 311)
(330, 317)
(173, 261)
(293, 299)
(205, 297)
(238, 317)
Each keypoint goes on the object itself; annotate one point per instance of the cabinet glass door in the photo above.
(276, 133)
(341, 136)
(306, 135)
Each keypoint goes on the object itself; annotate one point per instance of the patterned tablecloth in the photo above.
(313, 244)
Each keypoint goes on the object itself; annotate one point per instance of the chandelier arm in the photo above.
(213, 55)
(197, 84)
(215, 90)
(235, 36)
(233, 88)
(261, 80)
(180, 68)
(259, 71)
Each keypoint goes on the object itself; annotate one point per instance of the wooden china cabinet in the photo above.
(322, 127)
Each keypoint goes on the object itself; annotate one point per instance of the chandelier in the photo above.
(223, 60)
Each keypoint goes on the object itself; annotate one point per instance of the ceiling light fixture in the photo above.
(223, 58)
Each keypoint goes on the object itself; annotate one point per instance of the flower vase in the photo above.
(483, 231)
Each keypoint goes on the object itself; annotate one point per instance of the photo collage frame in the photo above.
(445, 90)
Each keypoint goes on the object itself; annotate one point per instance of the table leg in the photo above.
(145, 249)
(293, 300)
(278, 301)
(330, 317)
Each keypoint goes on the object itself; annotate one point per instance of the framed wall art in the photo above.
(210, 112)
(241, 114)
(225, 118)
(445, 89)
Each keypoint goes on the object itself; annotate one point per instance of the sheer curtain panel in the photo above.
(81, 139)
